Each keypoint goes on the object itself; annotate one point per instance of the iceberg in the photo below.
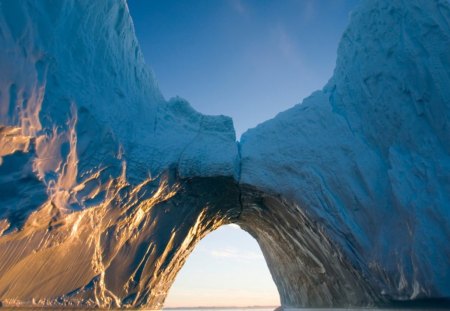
(106, 187)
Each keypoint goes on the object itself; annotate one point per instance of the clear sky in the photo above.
(248, 59)
(226, 268)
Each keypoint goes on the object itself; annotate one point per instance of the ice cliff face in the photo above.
(106, 187)
(77, 96)
(90, 155)
(368, 157)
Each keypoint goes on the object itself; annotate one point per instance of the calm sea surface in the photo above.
(226, 309)
(272, 309)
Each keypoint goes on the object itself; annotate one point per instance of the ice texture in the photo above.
(73, 80)
(88, 145)
(368, 157)
(106, 186)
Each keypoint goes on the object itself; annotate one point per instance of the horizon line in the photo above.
(221, 307)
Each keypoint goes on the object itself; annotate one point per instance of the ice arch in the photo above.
(106, 187)
(226, 268)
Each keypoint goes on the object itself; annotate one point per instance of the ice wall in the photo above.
(367, 158)
(75, 92)
(90, 155)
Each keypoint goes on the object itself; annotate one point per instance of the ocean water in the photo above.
(303, 309)
(220, 309)
(232, 309)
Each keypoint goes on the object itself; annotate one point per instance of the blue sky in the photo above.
(248, 59)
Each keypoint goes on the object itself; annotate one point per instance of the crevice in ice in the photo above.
(238, 176)
(187, 145)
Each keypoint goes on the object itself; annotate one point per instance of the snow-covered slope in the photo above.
(106, 187)
(368, 157)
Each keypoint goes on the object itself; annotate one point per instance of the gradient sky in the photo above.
(226, 268)
(248, 59)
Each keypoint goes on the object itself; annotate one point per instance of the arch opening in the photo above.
(226, 269)
(306, 267)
